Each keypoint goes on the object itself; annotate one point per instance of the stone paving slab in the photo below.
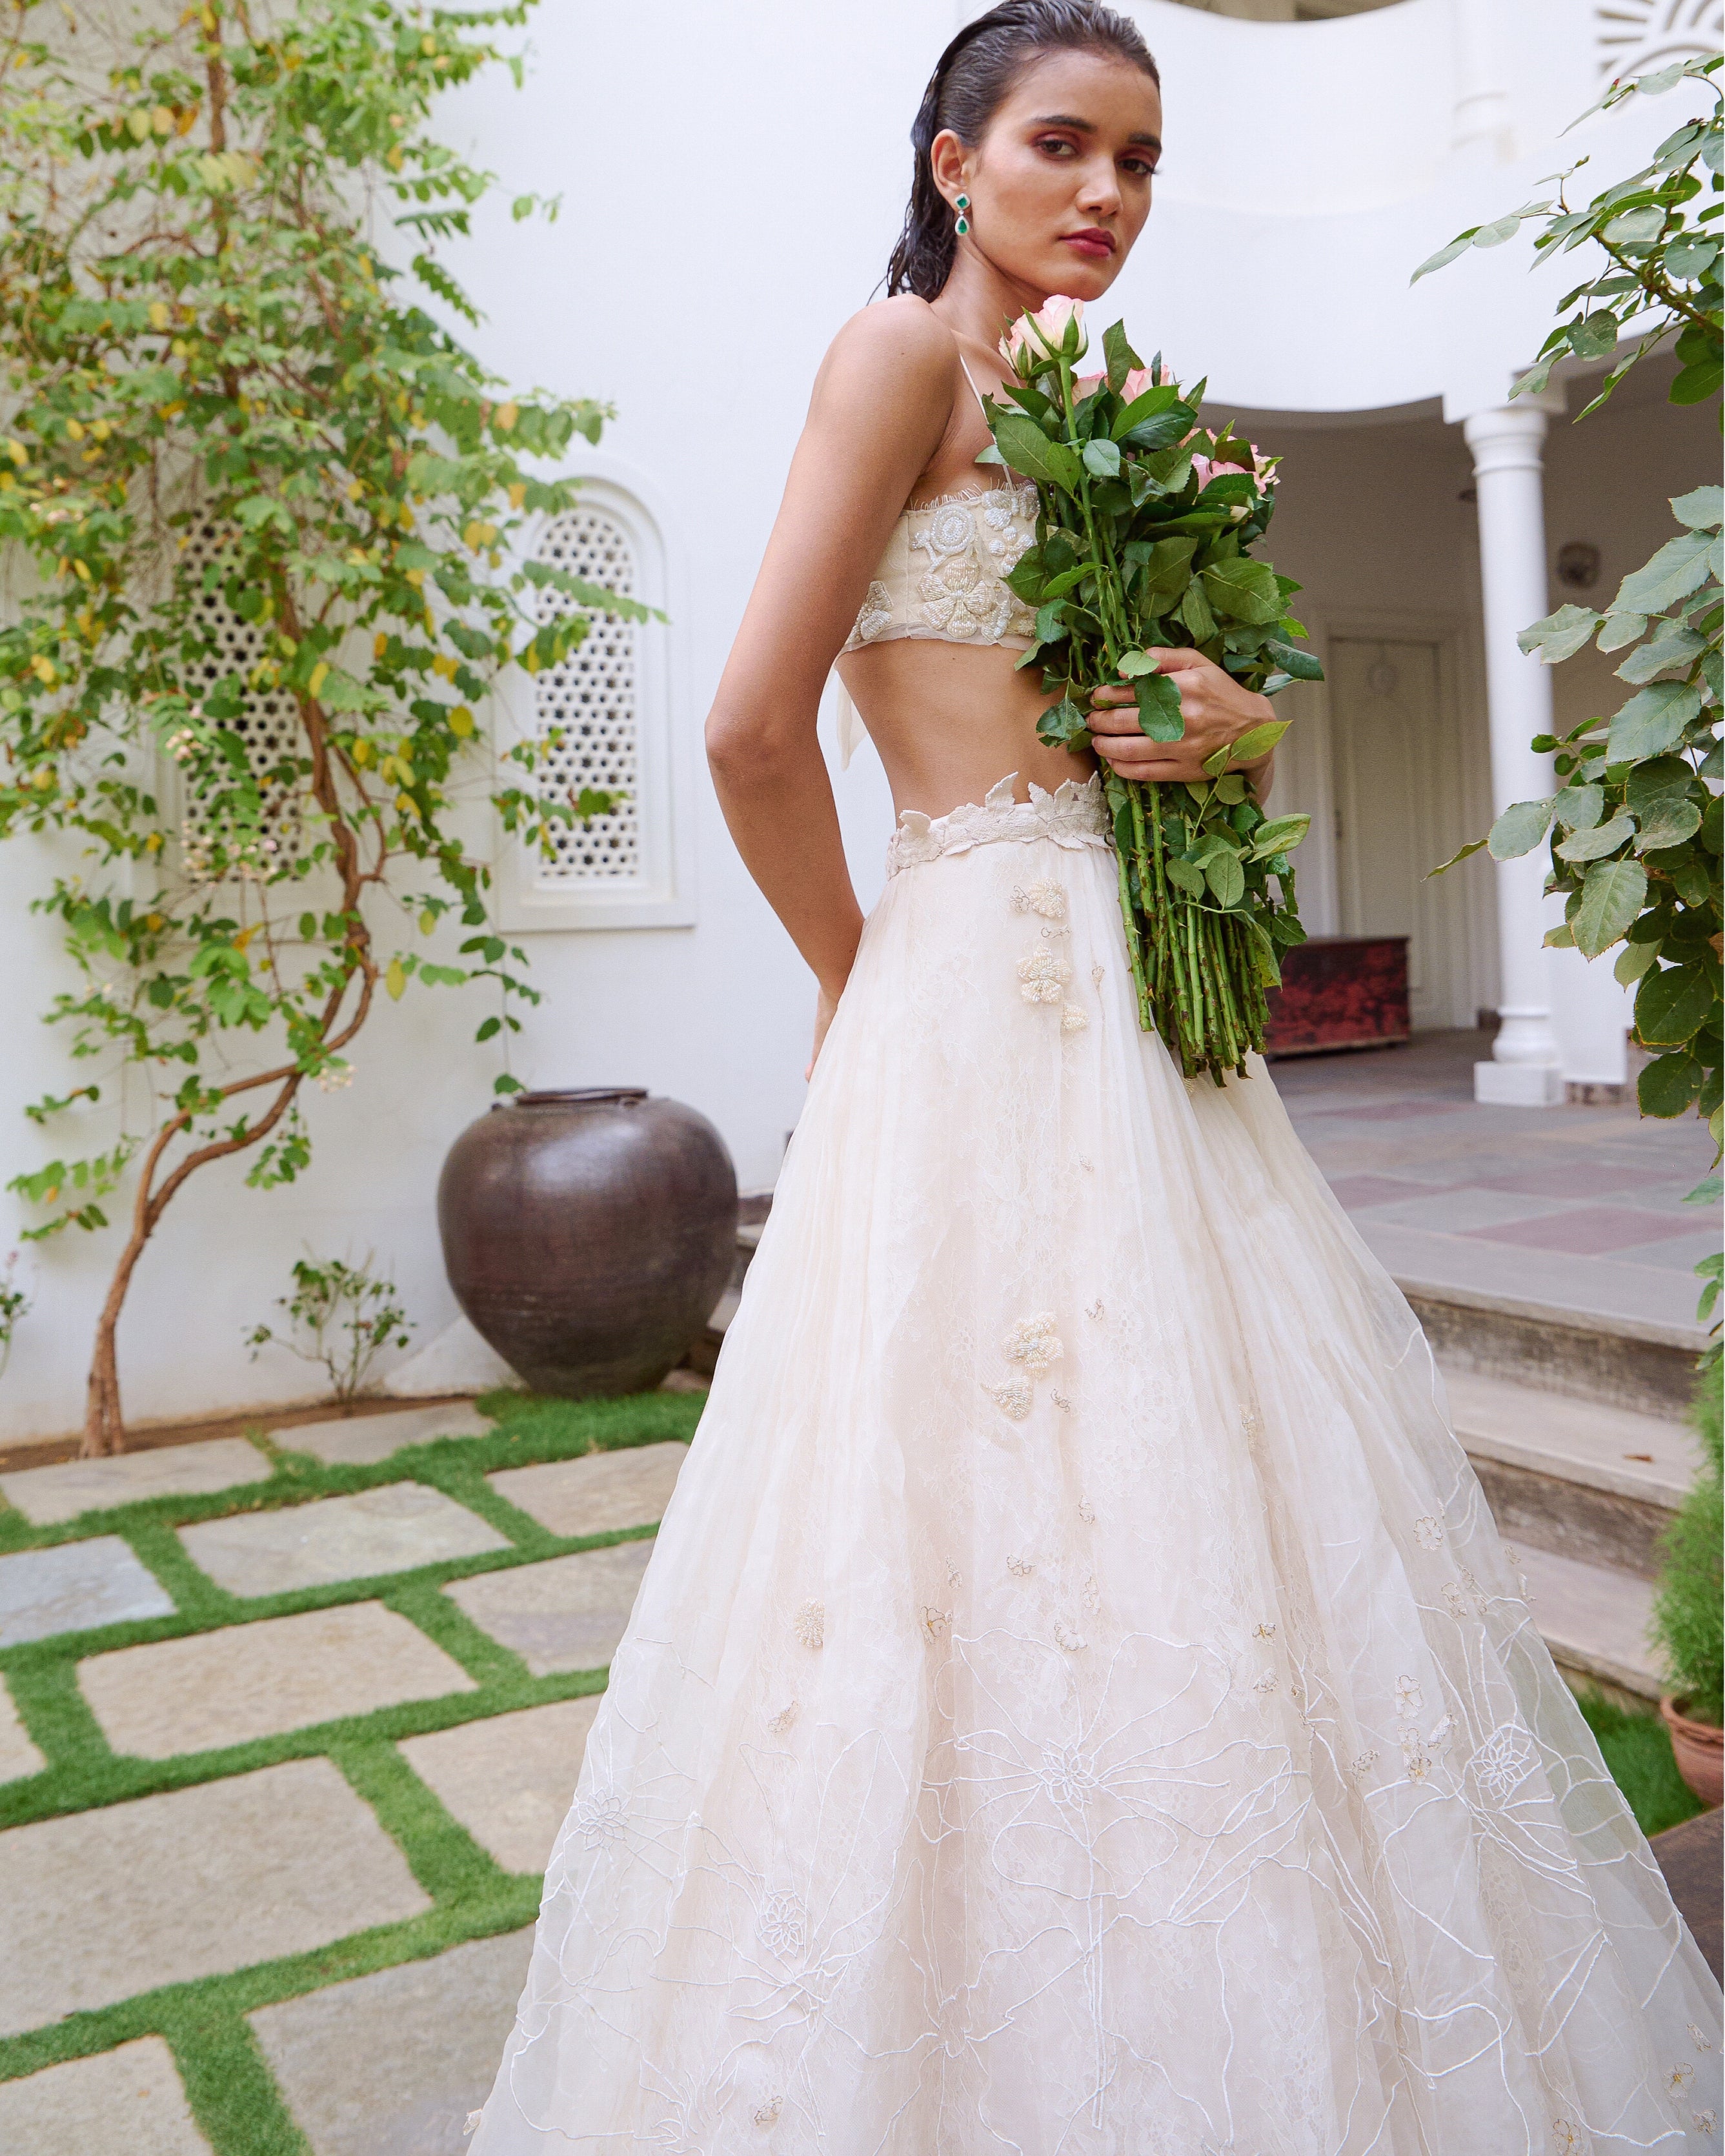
(362, 1440)
(333, 1538)
(74, 1588)
(102, 1904)
(599, 1492)
(567, 1612)
(509, 1778)
(124, 2102)
(61, 1492)
(252, 1680)
(391, 2064)
(18, 1756)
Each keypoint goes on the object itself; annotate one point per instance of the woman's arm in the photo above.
(882, 401)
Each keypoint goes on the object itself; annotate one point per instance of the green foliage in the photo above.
(1689, 1610)
(1638, 1751)
(1144, 520)
(14, 1301)
(221, 406)
(341, 1316)
(1637, 819)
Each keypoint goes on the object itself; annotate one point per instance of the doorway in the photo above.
(1398, 766)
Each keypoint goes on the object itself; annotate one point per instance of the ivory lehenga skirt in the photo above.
(1079, 1704)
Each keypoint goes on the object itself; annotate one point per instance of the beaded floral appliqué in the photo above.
(1034, 1344)
(1043, 897)
(1043, 976)
(811, 1625)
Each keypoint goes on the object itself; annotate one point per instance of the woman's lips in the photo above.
(1095, 245)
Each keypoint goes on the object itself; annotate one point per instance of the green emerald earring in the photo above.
(962, 205)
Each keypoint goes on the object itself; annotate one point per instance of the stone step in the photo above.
(1593, 1618)
(1581, 1479)
(1617, 1360)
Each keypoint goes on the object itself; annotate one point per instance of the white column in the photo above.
(1525, 1070)
(1481, 110)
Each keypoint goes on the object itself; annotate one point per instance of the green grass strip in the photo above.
(1638, 1751)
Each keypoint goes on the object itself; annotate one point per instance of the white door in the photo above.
(1398, 765)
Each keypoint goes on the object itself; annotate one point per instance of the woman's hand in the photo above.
(826, 1006)
(1216, 710)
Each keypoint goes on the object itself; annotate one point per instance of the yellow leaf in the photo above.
(517, 494)
(380, 644)
(102, 429)
(152, 844)
(152, 921)
(404, 805)
(444, 665)
(428, 921)
(395, 980)
(137, 125)
(43, 669)
(394, 159)
(428, 44)
(82, 569)
(471, 536)
(75, 431)
(416, 578)
(162, 119)
(159, 317)
(461, 721)
(17, 451)
(360, 751)
(319, 674)
(505, 417)
(355, 490)
(246, 935)
(48, 1196)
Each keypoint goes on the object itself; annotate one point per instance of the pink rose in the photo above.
(1136, 384)
(1055, 331)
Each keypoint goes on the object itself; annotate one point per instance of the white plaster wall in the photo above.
(731, 180)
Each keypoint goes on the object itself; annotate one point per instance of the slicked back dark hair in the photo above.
(974, 75)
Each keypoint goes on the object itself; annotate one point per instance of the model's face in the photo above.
(1059, 184)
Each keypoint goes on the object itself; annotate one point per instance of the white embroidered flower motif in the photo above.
(1073, 1019)
(875, 613)
(1266, 1684)
(1043, 974)
(1068, 1775)
(1420, 1754)
(1035, 1345)
(1065, 1405)
(1020, 1567)
(784, 1719)
(935, 1622)
(1013, 1396)
(1047, 899)
(1453, 1600)
(811, 1625)
(1680, 2076)
(1086, 1512)
(1429, 1531)
(1364, 1762)
(1092, 1596)
(1073, 1643)
(1096, 972)
(600, 1817)
(1563, 2137)
(1095, 1309)
(766, 2114)
(1409, 1697)
(784, 1926)
(954, 1577)
(1251, 1425)
(1705, 2122)
(1503, 1761)
(1699, 2038)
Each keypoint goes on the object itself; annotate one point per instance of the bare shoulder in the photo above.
(897, 351)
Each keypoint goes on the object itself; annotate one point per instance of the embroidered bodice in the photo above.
(943, 575)
(1073, 816)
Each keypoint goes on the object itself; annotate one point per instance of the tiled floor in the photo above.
(1578, 1208)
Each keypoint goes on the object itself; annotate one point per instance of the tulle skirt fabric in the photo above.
(1079, 1704)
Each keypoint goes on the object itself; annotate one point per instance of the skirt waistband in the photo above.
(1073, 816)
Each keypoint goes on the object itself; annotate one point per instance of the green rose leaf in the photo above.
(1151, 405)
(1135, 665)
(1121, 357)
(1473, 846)
(1159, 708)
(1561, 634)
(1655, 787)
(1674, 572)
(1188, 879)
(1302, 665)
(1652, 721)
(1579, 808)
(1030, 452)
(1633, 961)
(1613, 895)
(1168, 566)
(1280, 835)
(1226, 878)
(1671, 1004)
(1193, 610)
(1621, 628)
(1244, 590)
(1667, 1086)
(1677, 821)
(1703, 509)
(1519, 829)
(1592, 845)
(1103, 458)
(1459, 245)
(1671, 647)
(1258, 741)
(1063, 725)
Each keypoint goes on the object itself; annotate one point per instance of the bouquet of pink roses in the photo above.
(1141, 539)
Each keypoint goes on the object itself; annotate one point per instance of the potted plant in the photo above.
(1687, 1610)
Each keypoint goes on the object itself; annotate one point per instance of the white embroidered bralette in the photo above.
(942, 578)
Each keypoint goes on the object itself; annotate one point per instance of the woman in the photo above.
(1079, 1701)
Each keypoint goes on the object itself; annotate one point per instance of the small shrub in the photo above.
(14, 1301)
(342, 1316)
(1689, 1611)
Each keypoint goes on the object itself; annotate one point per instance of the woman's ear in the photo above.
(949, 161)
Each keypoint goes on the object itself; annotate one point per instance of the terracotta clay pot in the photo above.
(588, 1235)
(1700, 1750)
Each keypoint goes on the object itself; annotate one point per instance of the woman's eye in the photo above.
(1055, 145)
(1141, 166)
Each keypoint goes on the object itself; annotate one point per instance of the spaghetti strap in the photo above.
(974, 391)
